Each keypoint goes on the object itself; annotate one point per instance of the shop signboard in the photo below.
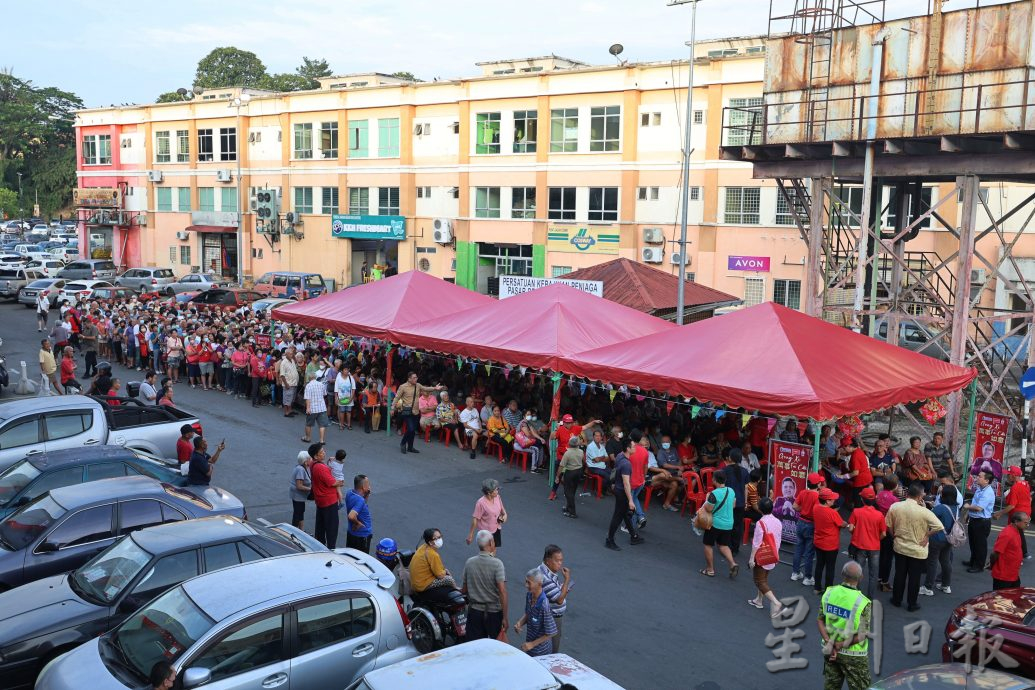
(368, 227)
(790, 463)
(748, 263)
(585, 240)
(97, 197)
(515, 285)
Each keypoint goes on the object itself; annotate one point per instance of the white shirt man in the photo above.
(42, 303)
(470, 419)
(148, 393)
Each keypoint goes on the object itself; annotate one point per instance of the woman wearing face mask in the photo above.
(193, 354)
(428, 577)
(205, 363)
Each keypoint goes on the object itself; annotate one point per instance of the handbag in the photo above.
(703, 520)
(766, 554)
(958, 534)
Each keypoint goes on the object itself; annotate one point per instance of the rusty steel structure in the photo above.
(904, 150)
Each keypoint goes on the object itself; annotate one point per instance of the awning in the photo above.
(211, 228)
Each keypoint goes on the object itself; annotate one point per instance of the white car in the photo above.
(48, 267)
(65, 253)
(80, 290)
(41, 229)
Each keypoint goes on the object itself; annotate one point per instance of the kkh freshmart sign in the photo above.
(368, 227)
(583, 240)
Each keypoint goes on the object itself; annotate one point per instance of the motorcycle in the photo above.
(4, 380)
(435, 625)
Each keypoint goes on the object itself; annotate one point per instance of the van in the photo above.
(290, 284)
(89, 269)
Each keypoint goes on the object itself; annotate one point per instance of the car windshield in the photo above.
(161, 631)
(104, 578)
(16, 478)
(72, 287)
(19, 529)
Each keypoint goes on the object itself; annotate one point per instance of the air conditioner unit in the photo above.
(653, 235)
(652, 255)
(455, 127)
(977, 276)
(182, 235)
(443, 233)
(675, 257)
(224, 175)
(154, 175)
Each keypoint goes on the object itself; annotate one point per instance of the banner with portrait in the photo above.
(790, 466)
(991, 432)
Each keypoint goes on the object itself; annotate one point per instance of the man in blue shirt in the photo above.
(199, 469)
(361, 526)
(980, 525)
(538, 618)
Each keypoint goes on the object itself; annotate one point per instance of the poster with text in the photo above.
(990, 434)
(790, 463)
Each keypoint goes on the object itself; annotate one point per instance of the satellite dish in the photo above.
(198, 90)
(182, 91)
(616, 49)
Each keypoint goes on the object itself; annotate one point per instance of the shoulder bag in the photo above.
(703, 520)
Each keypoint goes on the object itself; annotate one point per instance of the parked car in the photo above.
(69, 252)
(316, 621)
(917, 338)
(10, 259)
(146, 279)
(77, 291)
(182, 297)
(66, 527)
(26, 248)
(65, 237)
(1006, 612)
(38, 474)
(50, 286)
(89, 269)
(41, 229)
(48, 267)
(226, 298)
(268, 304)
(110, 293)
(484, 664)
(196, 282)
(14, 279)
(951, 677)
(30, 426)
(290, 284)
(43, 619)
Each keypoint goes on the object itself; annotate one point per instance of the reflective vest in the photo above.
(840, 605)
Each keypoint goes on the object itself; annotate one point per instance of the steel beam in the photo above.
(970, 184)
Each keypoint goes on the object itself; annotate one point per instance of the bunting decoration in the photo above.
(612, 393)
(582, 388)
(459, 362)
(719, 414)
(744, 419)
(488, 369)
(694, 411)
(522, 370)
(669, 404)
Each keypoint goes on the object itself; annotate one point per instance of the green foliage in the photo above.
(8, 202)
(312, 70)
(286, 82)
(169, 97)
(230, 67)
(406, 75)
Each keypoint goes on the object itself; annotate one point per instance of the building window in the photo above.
(206, 199)
(228, 199)
(744, 124)
(423, 192)
(645, 193)
(562, 203)
(784, 216)
(742, 204)
(522, 202)
(97, 149)
(164, 199)
(90, 150)
(359, 201)
(605, 128)
(698, 117)
(329, 200)
(183, 198)
(205, 143)
(487, 202)
(303, 141)
(695, 194)
(925, 203)
(754, 291)
(182, 146)
(227, 143)
(487, 133)
(163, 147)
(564, 130)
(526, 128)
(303, 200)
(388, 137)
(603, 203)
(104, 149)
(359, 138)
(174, 254)
(329, 140)
(185, 254)
(388, 201)
(787, 293)
(558, 271)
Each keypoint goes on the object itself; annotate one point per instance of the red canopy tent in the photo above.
(375, 309)
(775, 360)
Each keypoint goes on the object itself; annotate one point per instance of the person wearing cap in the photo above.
(568, 428)
(1006, 554)
(868, 528)
(858, 468)
(827, 539)
(805, 528)
(911, 524)
(1017, 499)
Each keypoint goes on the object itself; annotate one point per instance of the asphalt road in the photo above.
(644, 617)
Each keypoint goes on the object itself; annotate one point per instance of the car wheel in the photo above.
(423, 634)
(170, 292)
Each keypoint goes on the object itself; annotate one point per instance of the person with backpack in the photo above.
(939, 548)
(765, 554)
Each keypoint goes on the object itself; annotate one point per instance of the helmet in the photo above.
(387, 551)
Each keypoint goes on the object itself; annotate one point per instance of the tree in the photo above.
(169, 97)
(406, 75)
(230, 67)
(285, 81)
(312, 70)
(8, 202)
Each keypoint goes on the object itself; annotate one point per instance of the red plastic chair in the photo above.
(695, 494)
(706, 477)
(494, 448)
(597, 480)
(523, 456)
(444, 435)
(648, 491)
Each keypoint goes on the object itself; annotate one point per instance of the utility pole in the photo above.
(681, 289)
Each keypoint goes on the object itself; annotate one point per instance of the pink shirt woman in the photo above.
(774, 527)
(489, 513)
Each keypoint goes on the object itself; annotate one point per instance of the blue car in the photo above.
(38, 474)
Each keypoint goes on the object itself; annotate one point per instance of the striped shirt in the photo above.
(314, 392)
(552, 585)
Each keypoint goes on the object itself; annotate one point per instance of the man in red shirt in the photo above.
(325, 495)
(827, 539)
(68, 366)
(1017, 498)
(868, 528)
(858, 468)
(1006, 554)
(804, 550)
(638, 458)
(184, 446)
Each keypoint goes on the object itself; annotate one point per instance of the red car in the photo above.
(226, 298)
(1007, 612)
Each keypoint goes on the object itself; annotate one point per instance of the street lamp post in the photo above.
(19, 194)
(680, 294)
(237, 102)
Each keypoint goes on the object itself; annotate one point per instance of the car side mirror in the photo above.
(47, 547)
(193, 677)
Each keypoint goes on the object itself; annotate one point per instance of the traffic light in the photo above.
(267, 210)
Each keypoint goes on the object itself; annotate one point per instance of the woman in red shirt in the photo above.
(827, 539)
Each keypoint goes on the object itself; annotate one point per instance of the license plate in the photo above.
(460, 624)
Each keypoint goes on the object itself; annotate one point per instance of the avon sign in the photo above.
(748, 263)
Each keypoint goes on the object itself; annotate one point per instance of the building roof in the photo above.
(649, 290)
(531, 59)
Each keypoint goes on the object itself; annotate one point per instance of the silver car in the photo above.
(89, 269)
(12, 280)
(196, 282)
(312, 620)
(146, 279)
(48, 286)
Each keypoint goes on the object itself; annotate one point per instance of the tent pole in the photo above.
(970, 432)
(388, 387)
(816, 428)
